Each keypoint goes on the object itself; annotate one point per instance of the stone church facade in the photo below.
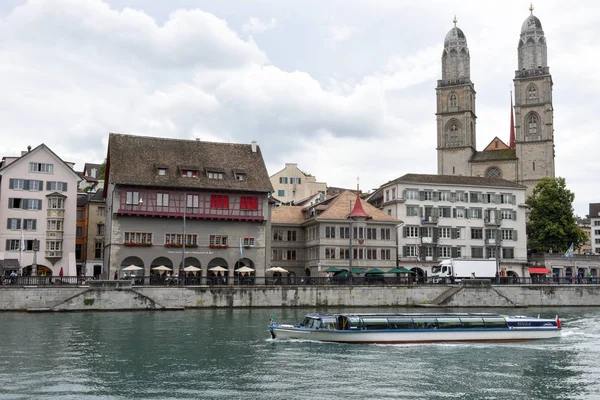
(529, 156)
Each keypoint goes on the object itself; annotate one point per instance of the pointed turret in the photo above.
(358, 212)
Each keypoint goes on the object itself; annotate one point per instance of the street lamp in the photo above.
(181, 271)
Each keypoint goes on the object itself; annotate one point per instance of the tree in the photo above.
(102, 169)
(552, 224)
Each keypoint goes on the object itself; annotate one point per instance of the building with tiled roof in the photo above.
(291, 184)
(595, 227)
(174, 200)
(317, 236)
(529, 156)
(449, 216)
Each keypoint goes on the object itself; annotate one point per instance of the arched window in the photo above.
(532, 124)
(453, 133)
(532, 92)
(493, 172)
(453, 100)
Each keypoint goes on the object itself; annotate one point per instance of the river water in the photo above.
(227, 354)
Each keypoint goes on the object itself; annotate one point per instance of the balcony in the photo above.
(429, 221)
(493, 242)
(492, 222)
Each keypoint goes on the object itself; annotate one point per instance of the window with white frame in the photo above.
(427, 195)
(445, 212)
(445, 251)
(29, 224)
(56, 186)
(56, 203)
(445, 232)
(475, 213)
(459, 212)
(386, 254)
(372, 233)
(385, 234)
(410, 251)
(133, 198)
(249, 241)
(53, 245)
(14, 223)
(344, 254)
(13, 244)
(162, 199)
(508, 234)
(427, 231)
(18, 184)
(411, 231)
(428, 250)
(412, 194)
(344, 232)
(508, 252)
(220, 240)
(137, 237)
(413, 211)
(507, 214)
(330, 232)
(54, 225)
(41, 167)
(490, 252)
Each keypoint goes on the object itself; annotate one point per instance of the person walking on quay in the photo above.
(116, 277)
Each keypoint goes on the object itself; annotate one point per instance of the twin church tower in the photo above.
(529, 154)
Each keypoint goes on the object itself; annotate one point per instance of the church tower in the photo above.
(534, 114)
(455, 107)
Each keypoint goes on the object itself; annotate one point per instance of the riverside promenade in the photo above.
(125, 295)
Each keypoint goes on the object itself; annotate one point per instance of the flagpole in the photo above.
(21, 247)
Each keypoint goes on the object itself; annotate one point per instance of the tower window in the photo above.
(534, 165)
(453, 138)
(453, 101)
(533, 125)
(532, 92)
(494, 172)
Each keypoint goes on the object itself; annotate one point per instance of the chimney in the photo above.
(254, 146)
(28, 149)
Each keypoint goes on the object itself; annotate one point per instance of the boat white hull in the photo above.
(420, 336)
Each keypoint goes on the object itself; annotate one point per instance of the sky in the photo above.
(345, 89)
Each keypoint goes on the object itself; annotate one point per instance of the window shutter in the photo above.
(514, 235)
(26, 184)
(11, 184)
(421, 195)
(39, 204)
(48, 185)
(435, 196)
(421, 252)
(514, 215)
(404, 194)
(7, 245)
(452, 197)
(40, 186)
(404, 251)
(243, 203)
(453, 234)
(225, 201)
(25, 204)
(454, 213)
(435, 234)
(454, 252)
(8, 223)
(19, 223)
(404, 231)
(467, 213)
(513, 199)
(65, 187)
(435, 212)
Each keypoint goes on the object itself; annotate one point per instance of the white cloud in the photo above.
(255, 25)
(338, 34)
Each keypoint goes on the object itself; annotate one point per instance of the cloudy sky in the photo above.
(343, 88)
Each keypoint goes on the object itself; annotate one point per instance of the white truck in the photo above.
(455, 270)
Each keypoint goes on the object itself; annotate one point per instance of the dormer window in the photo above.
(214, 175)
(188, 173)
(162, 171)
(240, 176)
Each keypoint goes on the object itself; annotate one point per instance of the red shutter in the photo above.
(243, 205)
(255, 203)
(226, 202)
(213, 201)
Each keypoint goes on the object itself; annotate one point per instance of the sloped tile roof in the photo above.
(594, 210)
(456, 180)
(132, 160)
(340, 208)
(494, 155)
(287, 215)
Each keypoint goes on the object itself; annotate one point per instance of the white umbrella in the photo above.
(132, 268)
(191, 268)
(218, 268)
(277, 269)
(161, 268)
(244, 269)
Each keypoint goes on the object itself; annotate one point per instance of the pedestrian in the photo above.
(116, 276)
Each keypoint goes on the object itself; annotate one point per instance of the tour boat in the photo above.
(417, 328)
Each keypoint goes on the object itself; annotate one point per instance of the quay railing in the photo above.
(355, 280)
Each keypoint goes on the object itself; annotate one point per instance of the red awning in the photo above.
(539, 270)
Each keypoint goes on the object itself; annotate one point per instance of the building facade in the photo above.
(292, 184)
(91, 212)
(448, 216)
(38, 206)
(595, 227)
(171, 200)
(529, 156)
(306, 240)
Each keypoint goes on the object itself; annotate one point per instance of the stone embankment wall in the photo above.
(165, 298)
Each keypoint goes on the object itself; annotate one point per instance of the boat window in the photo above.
(353, 322)
(328, 323)
(375, 323)
(449, 323)
(401, 323)
(305, 322)
(495, 322)
(314, 323)
(472, 322)
(425, 323)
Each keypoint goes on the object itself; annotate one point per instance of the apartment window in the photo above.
(444, 195)
(445, 233)
(281, 193)
(508, 252)
(428, 250)
(411, 231)
(372, 233)
(162, 199)
(475, 213)
(177, 238)
(36, 185)
(508, 234)
(215, 175)
(41, 167)
(13, 244)
(490, 234)
(133, 198)
(291, 237)
(188, 173)
(412, 194)
(78, 251)
(330, 232)
(385, 233)
(506, 199)
(413, 211)
(138, 237)
(277, 255)
(409, 251)
(219, 201)
(329, 253)
(291, 255)
(98, 247)
(490, 252)
(100, 229)
(427, 195)
(79, 232)
(192, 201)
(54, 225)
(386, 254)
(14, 223)
(508, 214)
(17, 184)
(53, 245)
(249, 203)
(358, 232)
(596, 223)
(344, 254)
(295, 180)
(358, 254)
(474, 197)
(476, 233)
(29, 224)
(344, 232)
(445, 251)
(55, 203)
(80, 215)
(220, 240)
(393, 193)
(249, 241)
(100, 211)
(371, 254)
(445, 212)
(161, 172)
(56, 186)
(477, 252)
(283, 179)
(277, 235)
(25, 204)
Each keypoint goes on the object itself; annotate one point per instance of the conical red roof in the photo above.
(358, 211)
